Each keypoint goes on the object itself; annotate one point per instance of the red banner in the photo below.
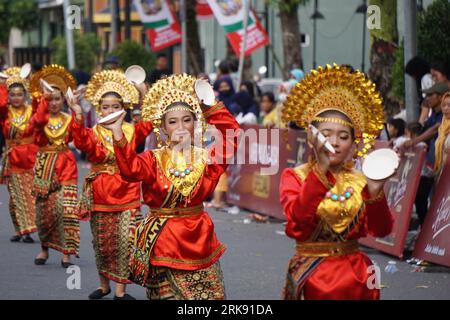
(256, 38)
(161, 26)
(203, 10)
(400, 192)
(433, 243)
(248, 186)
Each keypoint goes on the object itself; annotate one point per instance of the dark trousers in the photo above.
(423, 192)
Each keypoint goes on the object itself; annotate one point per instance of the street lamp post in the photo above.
(362, 9)
(316, 15)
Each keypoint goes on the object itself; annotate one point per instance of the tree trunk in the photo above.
(194, 50)
(383, 46)
(290, 28)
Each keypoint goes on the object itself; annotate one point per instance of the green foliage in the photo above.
(388, 11)
(434, 32)
(21, 14)
(131, 52)
(398, 73)
(87, 50)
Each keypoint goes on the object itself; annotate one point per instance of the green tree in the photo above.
(131, 53)
(87, 50)
(434, 32)
(21, 14)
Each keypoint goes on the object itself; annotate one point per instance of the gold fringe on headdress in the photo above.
(56, 75)
(166, 92)
(337, 88)
(111, 81)
(13, 74)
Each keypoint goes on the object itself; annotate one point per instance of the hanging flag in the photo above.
(203, 10)
(162, 27)
(230, 15)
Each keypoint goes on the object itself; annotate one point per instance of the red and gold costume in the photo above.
(327, 213)
(112, 203)
(55, 178)
(175, 249)
(18, 160)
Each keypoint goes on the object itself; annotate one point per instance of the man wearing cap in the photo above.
(431, 126)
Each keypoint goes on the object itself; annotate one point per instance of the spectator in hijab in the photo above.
(246, 107)
(225, 92)
(251, 88)
(296, 76)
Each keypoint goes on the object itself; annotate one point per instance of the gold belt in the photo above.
(177, 212)
(326, 249)
(54, 148)
(17, 142)
(110, 169)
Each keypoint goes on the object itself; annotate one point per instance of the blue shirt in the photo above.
(436, 117)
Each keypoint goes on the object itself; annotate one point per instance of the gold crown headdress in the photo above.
(13, 74)
(56, 75)
(338, 88)
(111, 81)
(176, 89)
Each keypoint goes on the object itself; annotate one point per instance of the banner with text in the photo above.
(433, 243)
(162, 28)
(203, 10)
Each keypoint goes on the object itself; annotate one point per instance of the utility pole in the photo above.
(69, 37)
(410, 43)
(246, 4)
(183, 36)
(113, 25)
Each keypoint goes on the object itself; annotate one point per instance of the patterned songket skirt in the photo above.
(57, 220)
(112, 238)
(172, 284)
(22, 203)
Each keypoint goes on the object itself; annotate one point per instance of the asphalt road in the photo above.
(253, 265)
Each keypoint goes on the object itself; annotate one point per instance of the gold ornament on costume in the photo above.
(337, 88)
(13, 74)
(56, 75)
(111, 81)
(166, 92)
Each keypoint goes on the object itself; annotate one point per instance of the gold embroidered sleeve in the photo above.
(209, 111)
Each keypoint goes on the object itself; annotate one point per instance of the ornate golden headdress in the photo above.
(338, 88)
(166, 92)
(56, 75)
(111, 81)
(13, 74)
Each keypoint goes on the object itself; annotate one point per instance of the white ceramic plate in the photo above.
(46, 85)
(3, 75)
(135, 74)
(25, 70)
(322, 139)
(380, 164)
(111, 118)
(205, 92)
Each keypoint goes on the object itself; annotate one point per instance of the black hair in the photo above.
(161, 55)
(441, 67)
(398, 124)
(224, 67)
(415, 128)
(17, 85)
(337, 114)
(250, 87)
(417, 67)
(269, 95)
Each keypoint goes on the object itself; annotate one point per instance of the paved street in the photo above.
(253, 265)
